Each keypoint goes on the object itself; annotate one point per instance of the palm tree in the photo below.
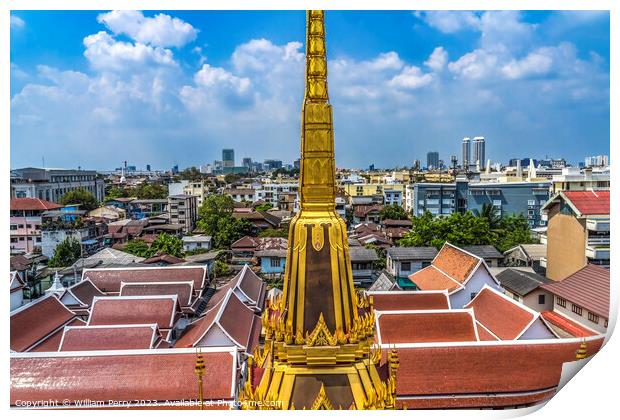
(488, 212)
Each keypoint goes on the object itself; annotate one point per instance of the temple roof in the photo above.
(109, 337)
(409, 300)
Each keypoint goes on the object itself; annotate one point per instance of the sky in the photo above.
(96, 88)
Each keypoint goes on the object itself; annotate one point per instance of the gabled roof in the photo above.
(16, 282)
(533, 252)
(184, 290)
(359, 253)
(107, 256)
(412, 253)
(409, 300)
(250, 287)
(109, 337)
(362, 211)
(484, 251)
(151, 375)
(125, 310)
(232, 317)
(33, 204)
(584, 203)
(165, 258)
(436, 326)
(502, 317)
(83, 292)
(19, 263)
(108, 280)
(521, 282)
(430, 278)
(33, 323)
(588, 288)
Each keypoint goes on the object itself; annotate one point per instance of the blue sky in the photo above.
(162, 88)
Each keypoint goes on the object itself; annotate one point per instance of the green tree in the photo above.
(149, 191)
(66, 253)
(80, 196)
(264, 207)
(489, 213)
(216, 219)
(515, 230)
(191, 174)
(381, 253)
(115, 192)
(220, 269)
(167, 244)
(138, 248)
(274, 233)
(393, 212)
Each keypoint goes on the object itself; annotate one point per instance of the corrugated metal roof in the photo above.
(412, 253)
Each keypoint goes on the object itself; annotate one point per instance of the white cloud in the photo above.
(534, 64)
(437, 59)
(161, 30)
(106, 53)
(411, 77)
(17, 22)
(209, 76)
(450, 21)
(474, 65)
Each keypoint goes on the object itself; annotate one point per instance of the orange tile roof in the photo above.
(567, 325)
(395, 301)
(482, 370)
(426, 327)
(52, 342)
(500, 314)
(455, 262)
(430, 278)
(183, 290)
(33, 204)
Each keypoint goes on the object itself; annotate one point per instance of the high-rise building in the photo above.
(432, 160)
(597, 161)
(247, 163)
(228, 158)
(479, 152)
(466, 147)
(270, 164)
(148, 168)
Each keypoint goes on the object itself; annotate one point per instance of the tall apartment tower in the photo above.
(432, 160)
(479, 155)
(228, 158)
(466, 152)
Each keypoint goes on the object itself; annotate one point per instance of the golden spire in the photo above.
(582, 351)
(199, 369)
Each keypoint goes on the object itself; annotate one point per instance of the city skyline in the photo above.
(172, 88)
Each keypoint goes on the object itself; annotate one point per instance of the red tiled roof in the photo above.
(108, 338)
(108, 280)
(85, 291)
(157, 376)
(160, 310)
(232, 316)
(475, 370)
(588, 288)
(501, 315)
(52, 342)
(170, 259)
(32, 323)
(19, 263)
(397, 301)
(33, 204)
(250, 284)
(567, 325)
(589, 202)
(183, 290)
(430, 278)
(455, 262)
(426, 327)
(362, 211)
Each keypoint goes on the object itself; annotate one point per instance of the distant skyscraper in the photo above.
(269, 164)
(466, 152)
(247, 163)
(148, 168)
(228, 158)
(297, 163)
(432, 160)
(600, 160)
(479, 153)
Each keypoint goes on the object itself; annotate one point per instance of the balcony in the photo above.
(598, 225)
(597, 252)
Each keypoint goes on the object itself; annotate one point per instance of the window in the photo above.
(28, 226)
(605, 323)
(561, 302)
(13, 240)
(541, 299)
(20, 226)
(472, 295)
(13, 227)
(405, 266)
(592, 317)
(275, 262)
(577, 309)
(515, 297)
(531, 202)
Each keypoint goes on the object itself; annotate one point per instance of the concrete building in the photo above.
(362, 265)
(51, 184)
(466, 152)
(578, 232)
(192, 243)
(228, 158)
(583, 298)
(25, 227)
(439, 198)
(401, 262)
(432, 160)
(183, 210)
(574, 179)
(527, 255)
(596, 161)
(525, 287)
(479, 153)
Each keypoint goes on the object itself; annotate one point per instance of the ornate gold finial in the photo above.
(322, 402)
(199, 369)
(582, 352)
